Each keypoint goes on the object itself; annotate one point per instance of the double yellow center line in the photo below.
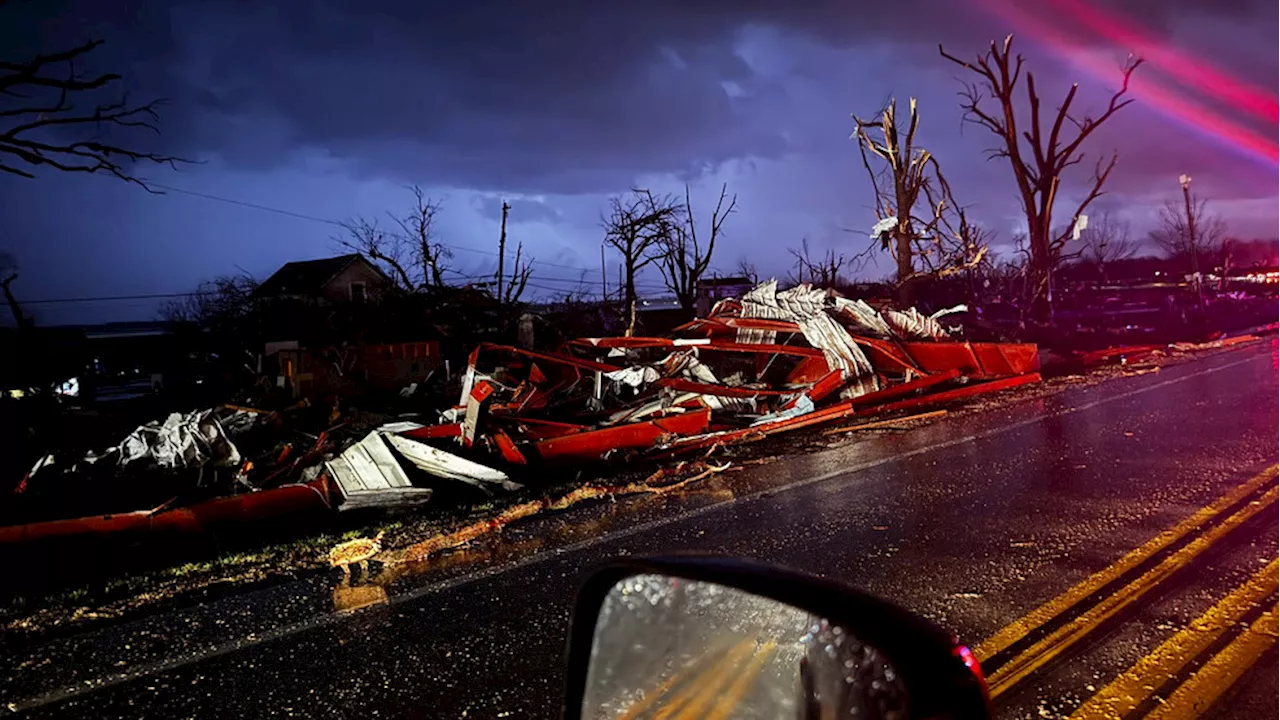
(710, 689)
(1196, 533)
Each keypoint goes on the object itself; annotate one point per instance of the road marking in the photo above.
(1049, 647)
(324, 620)
(1198, 694)
(1134, 686)
(1019, 628)
(729, 700)
(690, 669)
(694, 698)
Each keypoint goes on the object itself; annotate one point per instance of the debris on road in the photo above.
(769, 362)
(885, 423)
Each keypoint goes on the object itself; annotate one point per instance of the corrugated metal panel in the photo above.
(367, 466)
(447, 465)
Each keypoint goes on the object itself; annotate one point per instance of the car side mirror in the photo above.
(709, 637)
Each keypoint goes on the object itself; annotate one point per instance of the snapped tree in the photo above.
(682, 258)
(511, 288)
(635, 226)
(412, 257)
(823, 271)
(1037, 155)
(920, 225)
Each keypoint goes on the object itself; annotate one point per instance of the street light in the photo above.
(1185, 181)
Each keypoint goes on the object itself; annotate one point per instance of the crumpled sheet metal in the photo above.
(771, 361)
(914, 325)
(806, 306)
(181, 441)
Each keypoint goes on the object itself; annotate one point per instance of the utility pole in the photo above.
(1185, 181)
(604, 278)
(502, 246)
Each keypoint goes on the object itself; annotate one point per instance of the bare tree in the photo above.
(1038, 165)
(427, 255)
(921, 225)
(412, 257)
(53, 116)
(514, 284)
(391, 251)
(635, 226)
(681, 257)
(9, 273)
(1105, 241)
(821, 271)
(1174, 237)
(747, 269)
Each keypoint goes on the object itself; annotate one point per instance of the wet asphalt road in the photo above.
(972, 521)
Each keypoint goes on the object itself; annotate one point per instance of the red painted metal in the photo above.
(833, 381)
(893, 392)
(807, 370)
(837, 412)
(432, 432)
(980, 361)
(1098, 357)
(210, 516)
(886, 356)
(957, 394)
(593, 444)
(730, 325)
(508, 449)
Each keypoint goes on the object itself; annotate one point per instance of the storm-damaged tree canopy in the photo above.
(55, 115)
(1038, 155)
(635, 226)
(1189, 228)
(822, 271)
(411, 255)
(683, 258)
(919, 223)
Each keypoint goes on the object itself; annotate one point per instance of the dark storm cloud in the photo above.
(562, 97)
(520, 210)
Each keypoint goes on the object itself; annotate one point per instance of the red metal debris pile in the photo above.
(766, 363)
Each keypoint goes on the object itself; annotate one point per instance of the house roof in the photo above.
(304, 277)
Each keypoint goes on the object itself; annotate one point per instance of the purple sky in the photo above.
(328, 109)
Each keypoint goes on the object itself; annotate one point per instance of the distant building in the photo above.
(335, 280)
(711, 290)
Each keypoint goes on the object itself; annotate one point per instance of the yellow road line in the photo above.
(698, 694)
(1136, 684)
(635, 709)
(1060, 639)
(1201, 690)
(731, 697)
(1051, 609)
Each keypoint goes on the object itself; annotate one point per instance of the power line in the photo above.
(112, 298)
(201, 293)
(336, 223)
